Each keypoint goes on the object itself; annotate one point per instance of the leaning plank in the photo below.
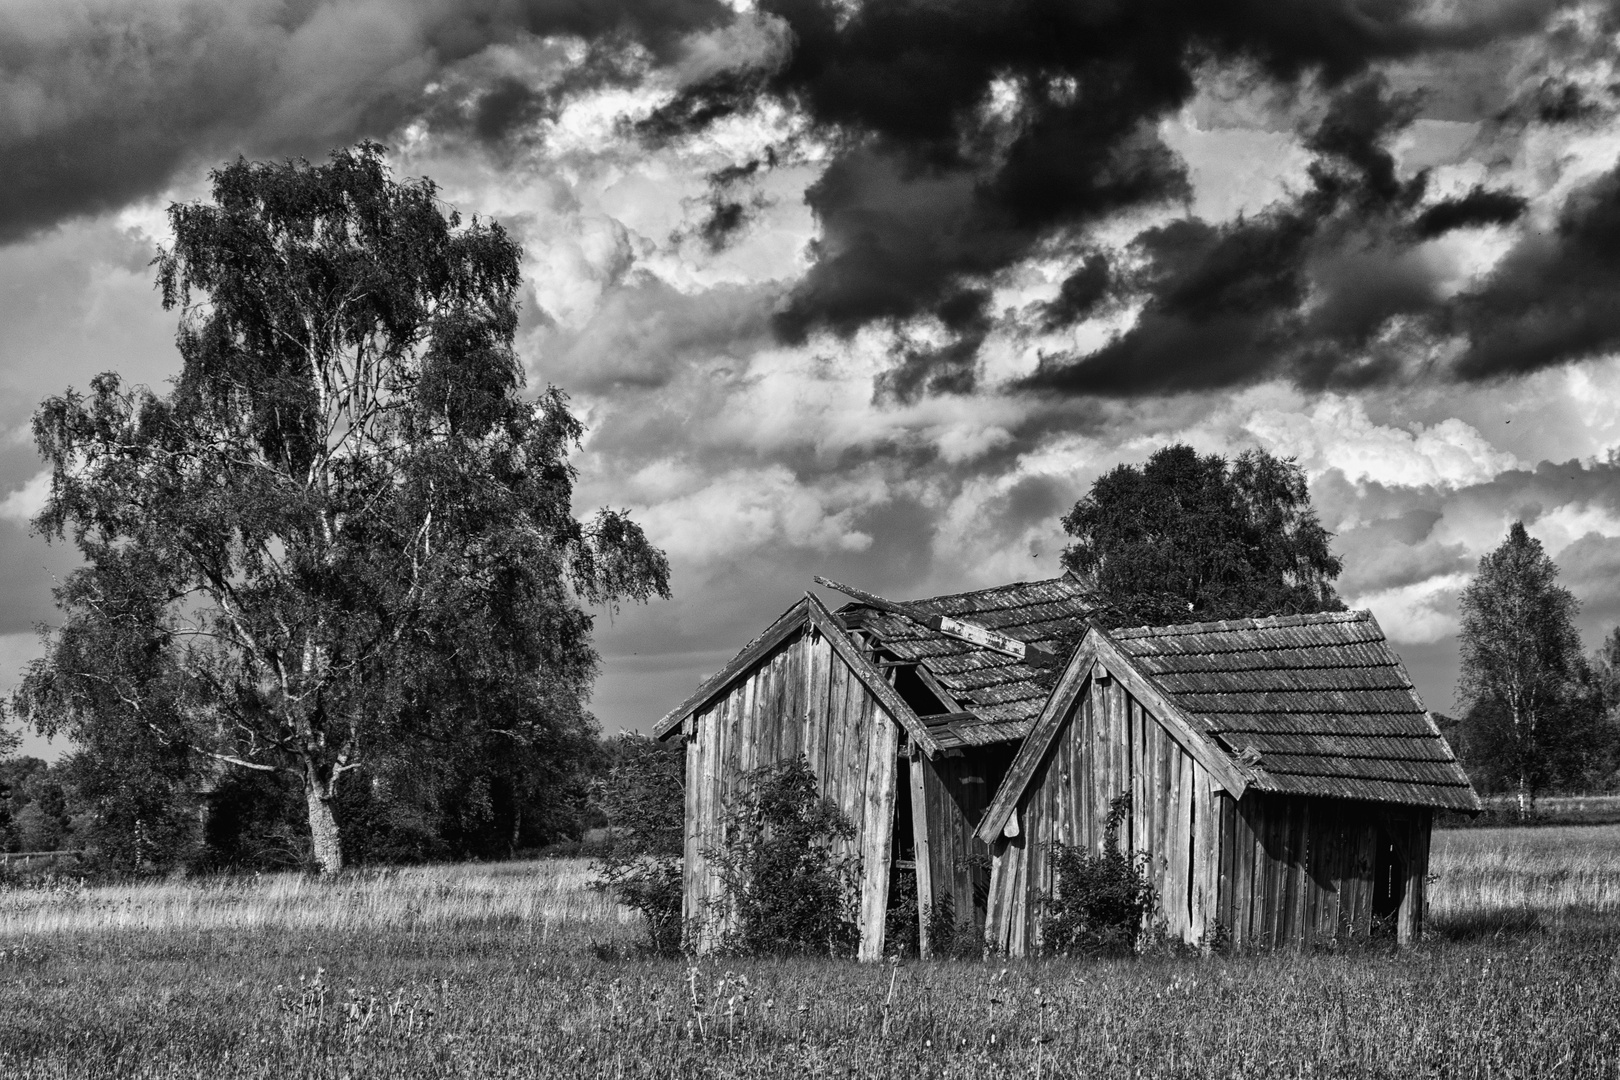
(996, 922)
(819, 716)
(1226, 880)
(921, 841)
(879, 840)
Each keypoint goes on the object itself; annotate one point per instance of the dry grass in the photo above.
(453, 972)
(1509, 873)
(540, 898)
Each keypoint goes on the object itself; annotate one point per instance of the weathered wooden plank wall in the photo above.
(801, 698)
(1108, 745)
(1272, 870)
(1298, 871)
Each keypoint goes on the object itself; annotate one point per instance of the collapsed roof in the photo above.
(992, 697)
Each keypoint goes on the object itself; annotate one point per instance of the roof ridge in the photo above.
(1269, 622)
(990, 589)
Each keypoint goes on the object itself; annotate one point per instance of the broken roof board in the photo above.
(1004, 694)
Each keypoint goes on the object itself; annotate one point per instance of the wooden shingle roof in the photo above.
(1312, 704)
(1002, 694)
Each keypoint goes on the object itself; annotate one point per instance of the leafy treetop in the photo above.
(1186, 538)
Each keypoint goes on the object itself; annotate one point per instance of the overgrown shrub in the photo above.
(784, 889)
(950, 937)
(643, 795)
(1102, 904)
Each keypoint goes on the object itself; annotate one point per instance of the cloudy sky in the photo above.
(877, 289)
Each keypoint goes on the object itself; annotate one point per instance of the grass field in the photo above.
(493, 971)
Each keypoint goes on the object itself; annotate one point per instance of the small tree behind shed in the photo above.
(643, 795)
(1520, 653)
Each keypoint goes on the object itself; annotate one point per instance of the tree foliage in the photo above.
(345, 531)
(643, 794)
(1521, 660)
(1186, 538)
(36, 811)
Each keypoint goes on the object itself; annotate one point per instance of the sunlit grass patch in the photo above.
(1519, 875)
(542, 898)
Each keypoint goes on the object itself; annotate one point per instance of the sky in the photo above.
(876, 290)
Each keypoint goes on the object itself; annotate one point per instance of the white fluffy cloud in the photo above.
(1419, 613)
(1337, 434)
(21, 505)
(745, 510)
(1563, 525)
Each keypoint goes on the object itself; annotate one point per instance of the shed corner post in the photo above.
(1410, 916)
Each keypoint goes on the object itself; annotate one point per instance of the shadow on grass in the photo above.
(1482, 925)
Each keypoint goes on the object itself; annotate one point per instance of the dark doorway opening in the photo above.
(901, 935)
(1389, 877)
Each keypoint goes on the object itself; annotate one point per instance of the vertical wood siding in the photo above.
(799, 699)
(1296, 871)
(1109, 744)
(1269, 871)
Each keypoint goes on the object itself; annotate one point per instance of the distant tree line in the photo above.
(131, 818)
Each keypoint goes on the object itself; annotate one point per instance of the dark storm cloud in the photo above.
(103, 103)
(1480, 206)
(1564, 103)
(1554, 296)
(1081, 293)
(1225, 304)
(970, 136)
(948, 368)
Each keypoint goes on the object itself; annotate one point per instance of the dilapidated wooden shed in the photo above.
(908, 712)
(1283, 775)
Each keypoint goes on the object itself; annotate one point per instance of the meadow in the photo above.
(520, 969)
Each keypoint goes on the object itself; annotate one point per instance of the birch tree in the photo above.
(1520, 649)
(344, 504)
